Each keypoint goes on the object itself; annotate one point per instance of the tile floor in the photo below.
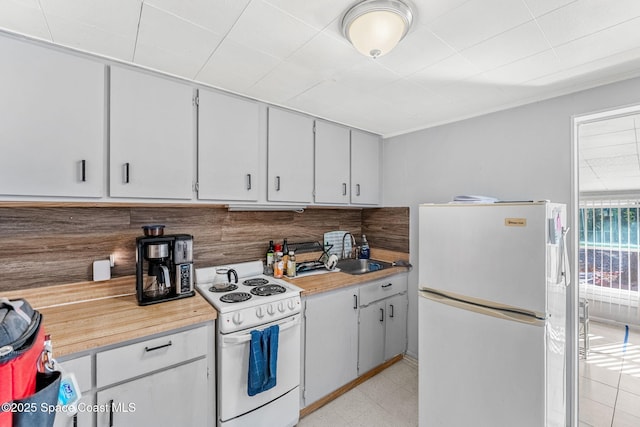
(609, 389)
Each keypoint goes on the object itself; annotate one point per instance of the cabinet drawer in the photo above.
(382, 289)
(81, 368)
(146, 356)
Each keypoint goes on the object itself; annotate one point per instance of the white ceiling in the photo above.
(461, 58)
(609, 153)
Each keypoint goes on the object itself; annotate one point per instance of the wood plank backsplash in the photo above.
(42, 246)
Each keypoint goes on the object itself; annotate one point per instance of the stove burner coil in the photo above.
(223, 287)
(235, 297)
(258, 281)
(267, 290)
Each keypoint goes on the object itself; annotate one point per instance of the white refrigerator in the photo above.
(492, 303)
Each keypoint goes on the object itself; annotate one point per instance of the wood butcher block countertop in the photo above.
(88, 315)
(315, 284)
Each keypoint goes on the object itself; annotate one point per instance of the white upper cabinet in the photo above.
(152, 139)
(332, 157)
(51, 122)
(290, 157)
(228, 147)
(365, 168)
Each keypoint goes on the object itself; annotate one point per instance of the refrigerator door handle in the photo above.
(566, 268)
(505, 313)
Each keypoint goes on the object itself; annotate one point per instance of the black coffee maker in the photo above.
(164, 266)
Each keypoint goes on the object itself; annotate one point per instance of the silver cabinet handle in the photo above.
(382, 314)
(126, 173)
(391, 314)
(83, 170)
(248, 181)
(277, 183)
(357, 189)
(344, 188)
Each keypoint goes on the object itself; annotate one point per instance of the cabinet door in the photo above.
(395, 341)
(365, 168)
(52, 122)
(332, 159)
(290, 153)
(173, 397)
(331, 342)
(152, 136)
(228, 144)
(371, 337)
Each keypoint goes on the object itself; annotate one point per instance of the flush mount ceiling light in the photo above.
(374, 27)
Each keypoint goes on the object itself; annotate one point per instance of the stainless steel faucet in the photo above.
(353, 245)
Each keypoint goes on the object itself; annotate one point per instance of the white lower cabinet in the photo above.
(383, 322)
(331, 342)
(167, 379)
(172, 397)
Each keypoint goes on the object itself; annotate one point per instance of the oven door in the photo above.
(233, 368)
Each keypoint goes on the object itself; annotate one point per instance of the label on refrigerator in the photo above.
(515, 222)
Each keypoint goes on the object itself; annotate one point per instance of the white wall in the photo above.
(523, 153)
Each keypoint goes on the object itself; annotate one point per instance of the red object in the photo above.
(18, 377)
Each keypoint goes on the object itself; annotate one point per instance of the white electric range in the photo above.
(253, 303)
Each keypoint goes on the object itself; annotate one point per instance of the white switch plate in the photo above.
(101, 270)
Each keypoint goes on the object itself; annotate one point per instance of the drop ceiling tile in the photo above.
(161, 32)
(628, 183)
(91, 39)
(477, 20)
(117, 17)
(24, 17)
(540, 7)
(325, 55)
(285, 81)
(585, 17)
(427, 11)
(512, 45)
(367, 76)
(317, 14)
(618, 150)
(445, 72)
(525, 69)
(605, 43)
(611, 163)
(236, 67)
(606, 139)
(217, 16)
(255, 27)
(405, 96)
(418, 50)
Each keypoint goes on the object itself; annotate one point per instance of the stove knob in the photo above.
(260, 312)
(281, 307)
(291, 304)
(237, 318)
(271, 310)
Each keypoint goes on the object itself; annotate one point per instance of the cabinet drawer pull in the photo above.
(248, 181)
(387, 285)
(355, 302)
(357, 189)
(344, 188)
(382, 314)
(391, 314)
(75, 420)
(126, 173)
(277, 183)
(83, 167)
(111, 413)
(148, 349)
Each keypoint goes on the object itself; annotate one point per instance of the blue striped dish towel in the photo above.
(263, 359)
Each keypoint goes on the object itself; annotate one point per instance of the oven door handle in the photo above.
(247, 337)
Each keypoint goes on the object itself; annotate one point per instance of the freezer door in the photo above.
(490, 252)
(480, 370)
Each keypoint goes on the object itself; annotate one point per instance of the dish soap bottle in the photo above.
(364, 248)
(291, 265)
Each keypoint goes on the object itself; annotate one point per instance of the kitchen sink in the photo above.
(361, 266)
